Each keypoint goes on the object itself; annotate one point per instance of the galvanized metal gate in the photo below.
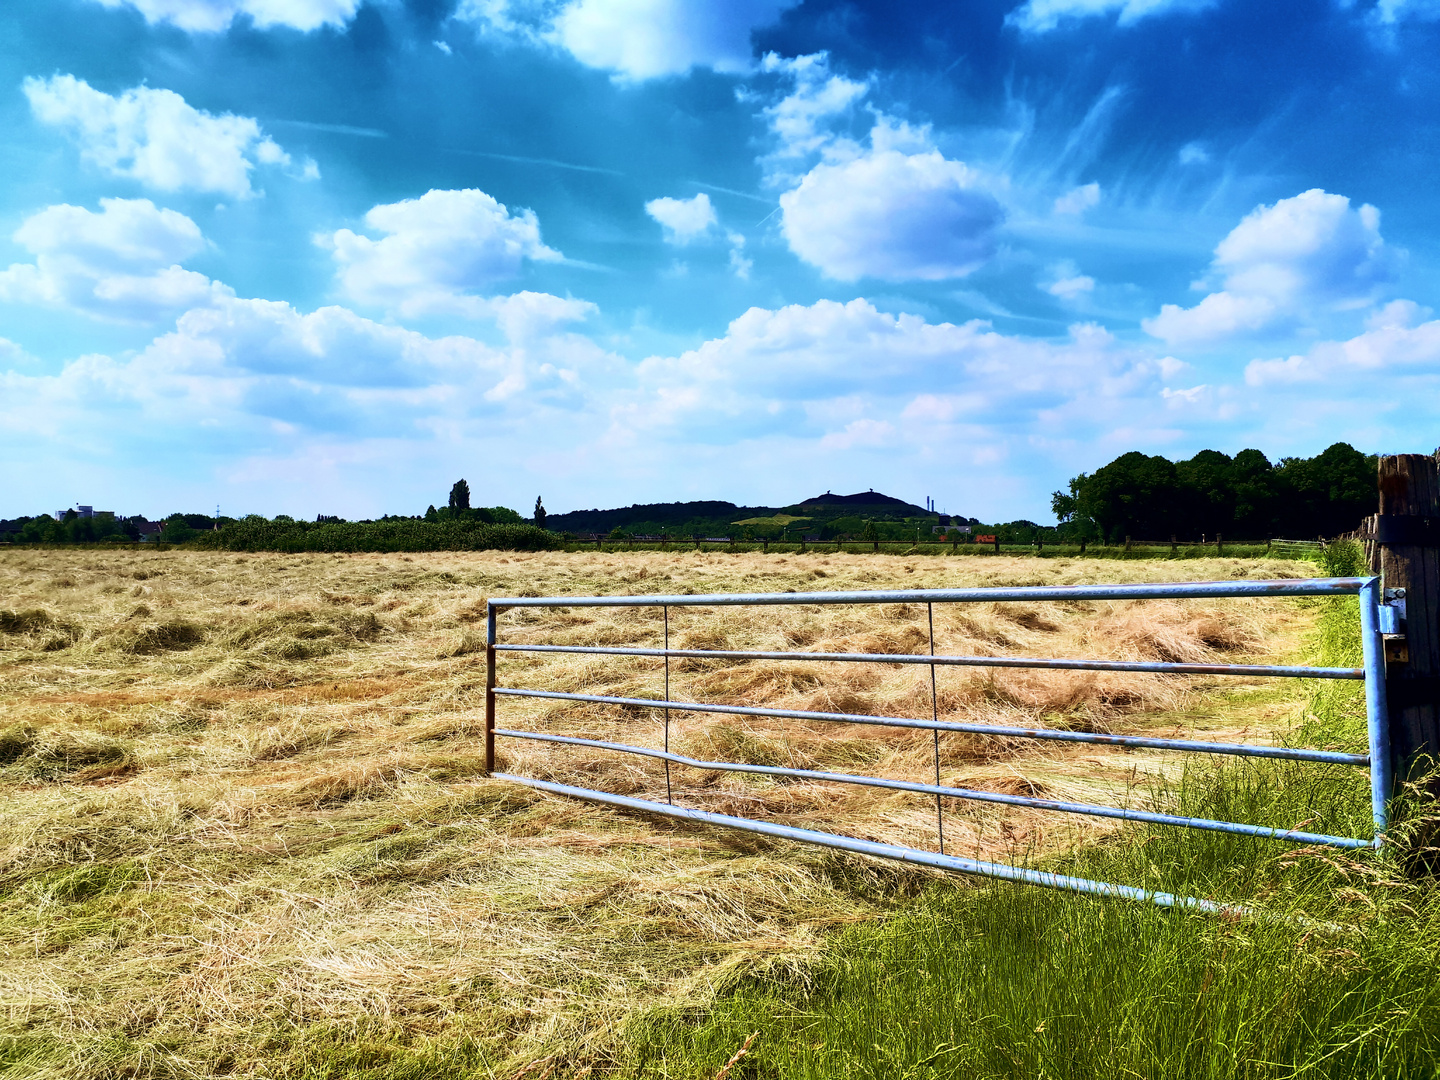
(1377, 614)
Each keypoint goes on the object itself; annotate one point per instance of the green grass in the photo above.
(1340, 978)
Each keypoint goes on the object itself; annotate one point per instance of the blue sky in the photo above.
(326, 256)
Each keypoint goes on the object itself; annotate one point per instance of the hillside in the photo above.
(825, 514)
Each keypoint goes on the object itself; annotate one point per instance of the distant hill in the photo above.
(863, 498)
(709, 517)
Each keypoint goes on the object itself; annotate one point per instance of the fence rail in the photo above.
(1376, 613)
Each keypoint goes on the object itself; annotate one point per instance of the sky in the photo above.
(329, 256)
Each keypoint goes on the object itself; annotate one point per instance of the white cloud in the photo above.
(827, 367)
(644, 39)
(1307, 254)
(1193, 154)
(1038, 16)
(897, 209)
(798, 120)
(438, 251)
(892, 215)
(1077, 200)
(739, 264)
(154, 137)
(864, 432)
(1392, 347)
(122, 263)
(13, 356)
(1069, 284)
(1389, 12)
(684, 220)
(268, 375)
(213, 16)
(635, 40)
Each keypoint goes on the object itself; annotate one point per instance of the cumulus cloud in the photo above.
(154, 137)
(892, 215)
(644, 39)
(683, 220)
(842, 370)
(1392, 347)
(800, 119)
(261, 371)
(1077, 200)
(635, 40)
(120, 264)
(1306, 254)
(437, 252)
(896, 209)
(213, 16)
(1039, 16)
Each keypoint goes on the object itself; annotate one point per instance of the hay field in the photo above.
(245, 829)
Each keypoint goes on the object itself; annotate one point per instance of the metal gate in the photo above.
(1377, 614)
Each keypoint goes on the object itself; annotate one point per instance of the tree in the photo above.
(539, 513)
(460, 496)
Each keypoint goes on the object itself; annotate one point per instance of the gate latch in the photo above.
(1392, 627)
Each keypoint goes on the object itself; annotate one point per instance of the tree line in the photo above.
(1247, 497)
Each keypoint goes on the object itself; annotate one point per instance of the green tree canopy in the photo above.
(460, 495)
(1152, 498)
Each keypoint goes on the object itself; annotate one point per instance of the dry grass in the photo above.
(244, 797)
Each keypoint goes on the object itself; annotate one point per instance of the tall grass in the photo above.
(1338, 977)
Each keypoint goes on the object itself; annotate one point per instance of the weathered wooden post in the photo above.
(1219, 544)
(1407, 539)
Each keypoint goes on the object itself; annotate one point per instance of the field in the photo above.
(246, 829)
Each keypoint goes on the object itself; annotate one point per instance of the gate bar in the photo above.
(943, 660)
(1263, 831)
(890, 851)
(1178, 590)
(1239, 749)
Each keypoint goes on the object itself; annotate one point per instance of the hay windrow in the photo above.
(244, 799)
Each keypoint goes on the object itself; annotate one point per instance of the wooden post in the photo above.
(1127, 543)
(1172, 544)
(765, 545)
(1082, 545)
(997, 543)
(1219, 544)
(1407, 538)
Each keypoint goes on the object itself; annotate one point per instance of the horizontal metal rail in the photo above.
(1185, 590)
(1332, 757)
(943, 660)
(1091, 809)
(888, 851)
